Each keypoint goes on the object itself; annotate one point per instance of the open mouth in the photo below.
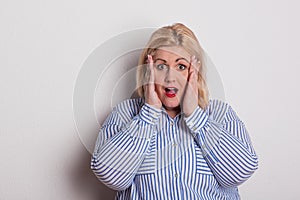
(171, 92)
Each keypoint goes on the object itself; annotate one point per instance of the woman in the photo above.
(173, 142)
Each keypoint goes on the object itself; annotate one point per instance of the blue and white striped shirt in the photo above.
(145, 154)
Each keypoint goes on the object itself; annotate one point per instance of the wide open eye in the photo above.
(181, 67)
(161, 67)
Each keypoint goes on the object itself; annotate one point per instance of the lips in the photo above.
(171, 92)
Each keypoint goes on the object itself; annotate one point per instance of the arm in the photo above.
(225, 143)
(120, 147)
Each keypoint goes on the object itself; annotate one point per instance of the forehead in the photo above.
(173, 52)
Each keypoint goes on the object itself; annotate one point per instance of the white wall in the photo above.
(43, 45)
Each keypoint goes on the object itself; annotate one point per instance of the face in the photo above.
(171, 66)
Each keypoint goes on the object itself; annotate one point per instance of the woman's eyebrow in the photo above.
(178, 59)
(181, 59)
(160, 60)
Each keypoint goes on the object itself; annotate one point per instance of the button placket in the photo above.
(176, 175)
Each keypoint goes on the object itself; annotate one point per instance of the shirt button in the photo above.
(172, 123)
(176, 175)
(174, 145)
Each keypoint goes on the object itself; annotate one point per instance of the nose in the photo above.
(170, 76)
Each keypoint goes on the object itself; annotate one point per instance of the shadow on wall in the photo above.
(85, 183)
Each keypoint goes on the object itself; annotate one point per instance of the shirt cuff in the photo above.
(197, 119)
(150, 114)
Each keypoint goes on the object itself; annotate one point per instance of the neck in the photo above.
(173, 112)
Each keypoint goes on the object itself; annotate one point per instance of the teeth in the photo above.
(173, 90)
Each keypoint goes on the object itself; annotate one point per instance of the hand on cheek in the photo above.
(190, 98)
(150, 94)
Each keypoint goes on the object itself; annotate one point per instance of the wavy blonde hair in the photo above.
(175, 35)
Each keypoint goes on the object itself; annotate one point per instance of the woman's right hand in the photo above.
(150, 94)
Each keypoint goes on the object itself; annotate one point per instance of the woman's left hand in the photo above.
(190, 99)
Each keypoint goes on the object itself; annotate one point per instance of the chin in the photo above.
(171, 104)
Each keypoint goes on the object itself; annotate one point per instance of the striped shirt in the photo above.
(144, 154)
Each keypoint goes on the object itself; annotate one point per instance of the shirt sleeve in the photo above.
(225, 144)
(120, 147)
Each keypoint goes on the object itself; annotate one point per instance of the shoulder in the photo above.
(129, 108)
(220, 111)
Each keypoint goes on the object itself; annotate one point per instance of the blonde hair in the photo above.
(175, 35)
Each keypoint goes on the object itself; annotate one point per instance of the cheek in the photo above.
(183, 77)
(159, 77)
(158, 81)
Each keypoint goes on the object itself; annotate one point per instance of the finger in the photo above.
(194, 73)
(149, 77)
(151, 69)
(195, 64)
(147, 72)
(146, 75)
(192, 67)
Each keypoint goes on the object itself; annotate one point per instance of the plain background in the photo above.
(43, 44)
